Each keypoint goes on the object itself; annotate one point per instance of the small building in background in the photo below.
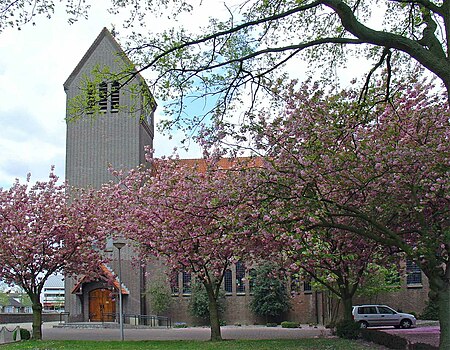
(14, 303)
(52, 296)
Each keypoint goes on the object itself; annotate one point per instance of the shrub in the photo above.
(348, 329)
(160, 296)
(289, 324)
(24, 334)
(431, 311)
(271, 324)
(270, 296)
(180, 325)
(391, 341)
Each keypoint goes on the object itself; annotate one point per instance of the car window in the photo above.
(366, 310)
(385, 310)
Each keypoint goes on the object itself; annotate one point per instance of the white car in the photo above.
(381, 315)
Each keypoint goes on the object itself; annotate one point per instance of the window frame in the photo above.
(115, 96)
(228, 281)
(103, 96)
(186, 283)
(240, 278)
(413, 274)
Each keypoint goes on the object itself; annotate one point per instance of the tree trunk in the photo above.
(444, 316)
(37, 316)
(213, 314)
(347, 303)
(439, 281)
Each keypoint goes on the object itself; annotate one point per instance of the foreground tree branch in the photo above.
(259, 39)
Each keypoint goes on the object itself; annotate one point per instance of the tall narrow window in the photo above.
(102, 95)
(186, 283)
(90, 98)
(240, 277)
(307, 286)
(228, 281)
(115, 96)
(295, 284)
(413, 273)
(174, 282)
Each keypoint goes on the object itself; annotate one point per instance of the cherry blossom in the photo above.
(43, 232)
(198, 215)
(376, 171)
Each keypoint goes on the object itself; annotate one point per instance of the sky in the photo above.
(34, 63)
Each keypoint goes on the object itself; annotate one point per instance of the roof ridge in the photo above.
(105, 33)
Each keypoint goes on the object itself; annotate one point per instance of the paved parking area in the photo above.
(427, 335)
(192, 333)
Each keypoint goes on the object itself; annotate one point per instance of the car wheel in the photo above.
(363, 324)
(405, 323)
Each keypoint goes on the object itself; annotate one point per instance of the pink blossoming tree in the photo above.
(379, 171)
(42, 232)
(340, 261)
(198, 216)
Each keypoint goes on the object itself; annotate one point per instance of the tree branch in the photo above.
(425, 3)
(413, 48)
(231, 31)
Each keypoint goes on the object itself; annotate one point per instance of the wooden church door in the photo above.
(101, 305)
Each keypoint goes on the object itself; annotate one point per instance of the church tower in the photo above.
(109, 122)
(110, 119)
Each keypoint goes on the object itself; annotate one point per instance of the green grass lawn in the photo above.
(300, 344)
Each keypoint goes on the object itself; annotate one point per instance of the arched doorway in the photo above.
(102, 306)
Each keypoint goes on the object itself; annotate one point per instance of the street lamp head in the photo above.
(119, 245)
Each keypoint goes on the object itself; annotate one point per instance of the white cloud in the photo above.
(34, 63)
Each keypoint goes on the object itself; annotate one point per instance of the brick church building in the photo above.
(115, 125)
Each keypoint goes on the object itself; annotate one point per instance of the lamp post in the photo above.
(119, 246)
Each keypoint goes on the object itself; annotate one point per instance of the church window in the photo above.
(240, 277)
(413, 273)
(307, 288)
(295, 284)
(228, 281)
(115, 96)
(174, 283)
(103, 94)
(186, 283)
(90, 98)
